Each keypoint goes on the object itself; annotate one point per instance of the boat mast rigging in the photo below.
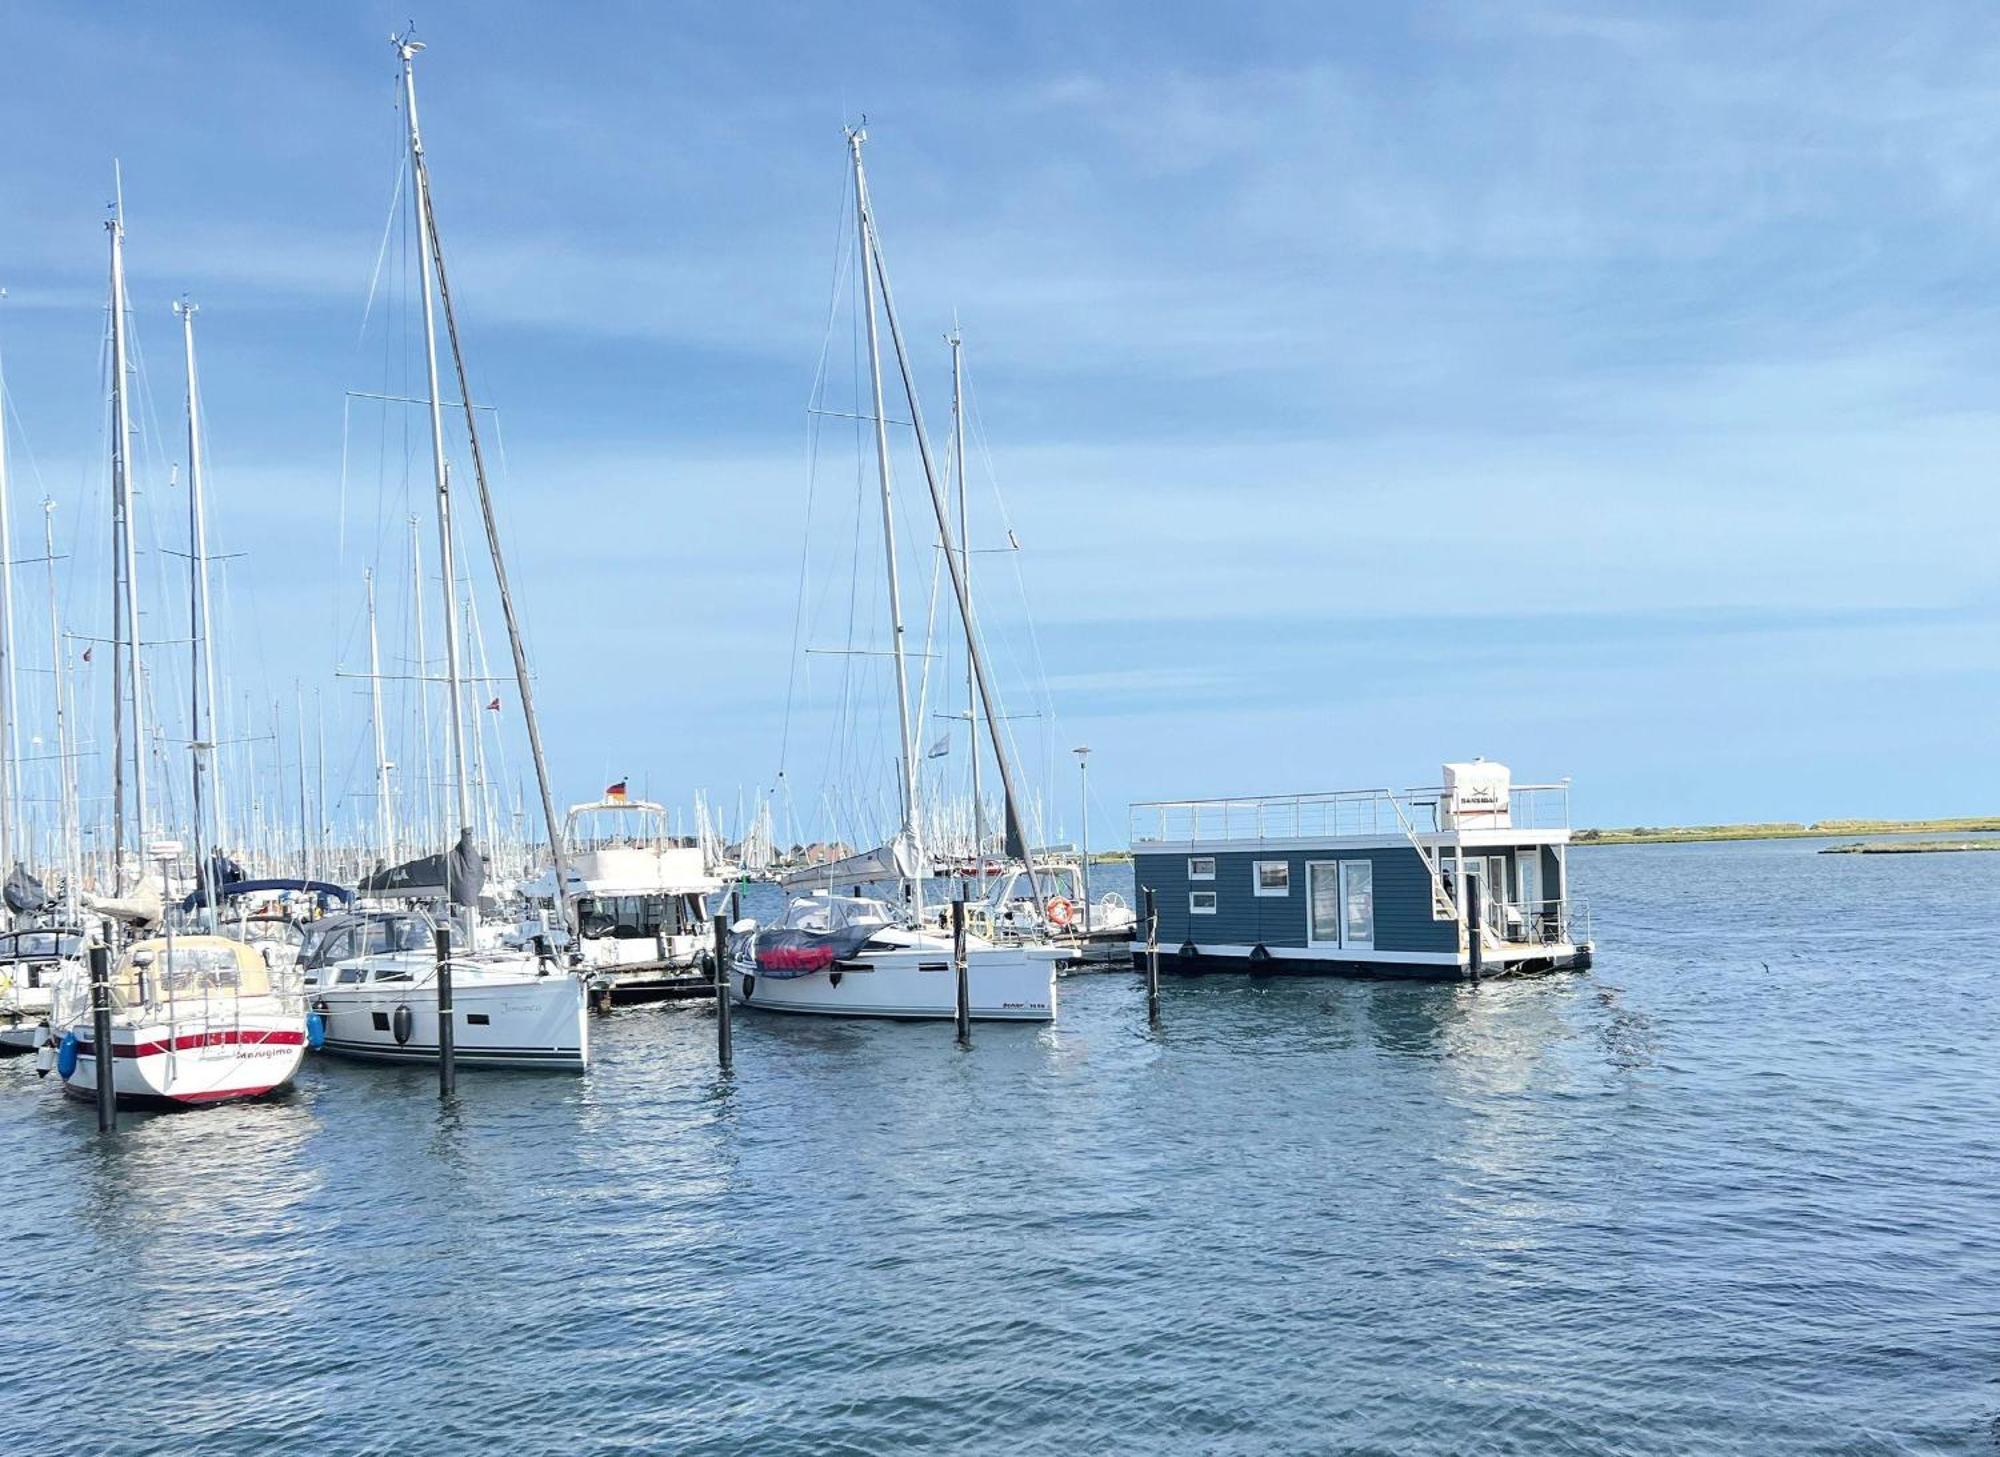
(129, 692)
(906, 757)
(957, 342)
(433, 248)
(201, 678)
(1017, 838)
(420, 195)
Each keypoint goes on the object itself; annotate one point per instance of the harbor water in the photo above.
(1733, 1191)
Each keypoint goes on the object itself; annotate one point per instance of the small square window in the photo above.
(1272, 877)
(1201, 902)
(1201, 867)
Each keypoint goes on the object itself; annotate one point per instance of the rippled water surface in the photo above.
(1733, 1191)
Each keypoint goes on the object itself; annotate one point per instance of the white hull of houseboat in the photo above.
(193, 1060)
(1005, 984)
(501, 1019)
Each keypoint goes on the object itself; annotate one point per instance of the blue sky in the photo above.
(1605, 388)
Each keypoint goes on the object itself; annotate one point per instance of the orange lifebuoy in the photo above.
(1060, 911)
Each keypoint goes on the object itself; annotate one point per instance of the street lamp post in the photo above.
(1083, 789)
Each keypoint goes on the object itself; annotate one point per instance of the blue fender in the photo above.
(66, 1056)
(315, 1031)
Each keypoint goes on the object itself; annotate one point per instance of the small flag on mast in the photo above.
(494, 706)
(942, 747)
(615, 791)
(86, 655)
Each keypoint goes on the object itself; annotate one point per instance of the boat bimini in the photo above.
(194, 1019)
(373, 976)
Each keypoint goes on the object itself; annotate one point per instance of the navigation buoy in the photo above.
(402, 1022)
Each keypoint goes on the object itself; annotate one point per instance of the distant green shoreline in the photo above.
(1694, 834)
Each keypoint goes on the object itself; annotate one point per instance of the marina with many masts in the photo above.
(232, 901)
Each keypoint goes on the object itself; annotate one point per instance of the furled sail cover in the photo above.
(468, 872)
(782, 954)
(24, 893)
(141, 908)
(1017, 842)
(220, 871)
(415, 879)
(458, 876)
(896, 860)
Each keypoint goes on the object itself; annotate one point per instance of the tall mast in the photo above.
(1017, 838)
(305, 827)
(9, 759)
(906, 758)
(385, 812)
(482, 811)
(420, 194)
(965, 548)
(72, 850)
(427, 830)
(523, 681)
(201, 678)
(130, 694)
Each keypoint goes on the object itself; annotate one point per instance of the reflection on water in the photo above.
(1698, 1200)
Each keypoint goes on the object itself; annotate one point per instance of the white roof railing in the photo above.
(1337, 815)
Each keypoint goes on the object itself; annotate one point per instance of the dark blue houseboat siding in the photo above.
(1402, 891)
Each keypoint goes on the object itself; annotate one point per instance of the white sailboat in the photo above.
(193, 1019)
(833, 955)
(374, 977)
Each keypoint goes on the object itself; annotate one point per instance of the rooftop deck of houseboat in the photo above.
(1534, 810)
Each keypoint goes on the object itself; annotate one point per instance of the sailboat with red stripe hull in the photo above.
(195, 1019)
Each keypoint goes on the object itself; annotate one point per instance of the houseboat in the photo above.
(1469, 878)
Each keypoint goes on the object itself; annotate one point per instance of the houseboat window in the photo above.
(1340, 904)
(1274, 877)
(1323, 904)
(1444, 900)
(1201, 867)
(1528, 876)
(1201, 902)
(1357, 895)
